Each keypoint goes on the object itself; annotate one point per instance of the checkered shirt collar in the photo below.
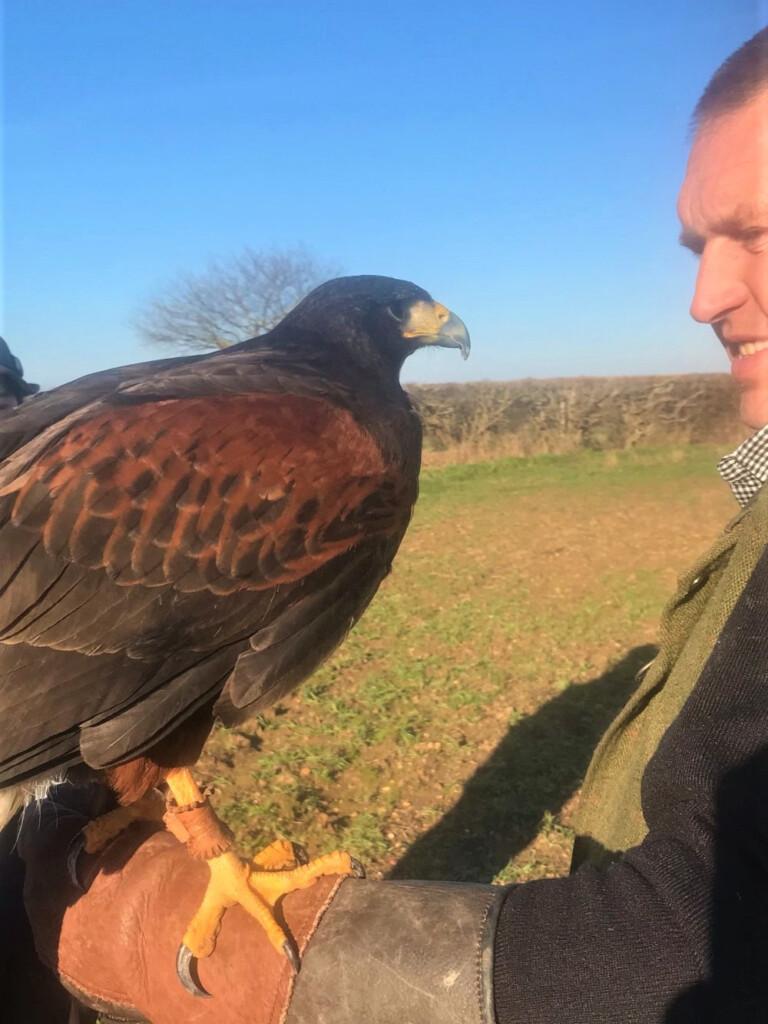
(746, 469)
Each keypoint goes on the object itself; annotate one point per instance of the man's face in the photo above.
(723, 207)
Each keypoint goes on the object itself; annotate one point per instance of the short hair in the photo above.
(738, 79)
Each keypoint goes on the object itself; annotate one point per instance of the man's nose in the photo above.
(720, 285)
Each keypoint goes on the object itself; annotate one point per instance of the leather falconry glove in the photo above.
(382, 952)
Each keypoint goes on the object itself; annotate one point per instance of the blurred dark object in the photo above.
(13, 388)
(30, 993)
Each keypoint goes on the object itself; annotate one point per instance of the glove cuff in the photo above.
(388, 952)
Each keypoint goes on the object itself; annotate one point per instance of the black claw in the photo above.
(293, 955)
(76, 847)
(300, 854)
(357, 868)
(186, 970)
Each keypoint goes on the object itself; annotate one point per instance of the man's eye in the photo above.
(755, 238)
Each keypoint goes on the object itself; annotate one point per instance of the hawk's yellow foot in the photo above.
(282, 855)
(233, 880)
(98, 833)
(256, 885)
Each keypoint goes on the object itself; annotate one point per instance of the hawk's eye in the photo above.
(398, 310)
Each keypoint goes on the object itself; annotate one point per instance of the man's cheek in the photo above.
(759, 285)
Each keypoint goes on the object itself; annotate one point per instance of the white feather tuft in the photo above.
(16, 797)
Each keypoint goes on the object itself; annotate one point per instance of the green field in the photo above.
(449, 735)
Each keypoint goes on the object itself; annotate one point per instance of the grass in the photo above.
(449, 735)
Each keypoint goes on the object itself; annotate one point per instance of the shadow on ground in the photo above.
(534, 770)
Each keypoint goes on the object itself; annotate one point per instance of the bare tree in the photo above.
(232, 300)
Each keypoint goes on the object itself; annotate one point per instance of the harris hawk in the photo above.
(188, 539)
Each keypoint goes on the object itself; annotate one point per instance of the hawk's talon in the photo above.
(74, 850)
(186, 971)
(357, 868)
(301, 855)
(289, 948)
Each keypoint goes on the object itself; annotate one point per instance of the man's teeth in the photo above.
(748, 348)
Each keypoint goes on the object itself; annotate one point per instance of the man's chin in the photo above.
(753, 410)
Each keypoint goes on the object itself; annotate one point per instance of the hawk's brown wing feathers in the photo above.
(182, 544)
(215, 493)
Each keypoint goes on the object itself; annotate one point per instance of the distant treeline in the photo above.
(529, 417)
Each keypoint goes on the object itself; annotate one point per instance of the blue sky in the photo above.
(520, 161)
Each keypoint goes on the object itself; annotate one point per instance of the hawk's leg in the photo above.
(256, 885)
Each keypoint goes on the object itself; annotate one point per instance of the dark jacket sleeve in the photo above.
(677, 930)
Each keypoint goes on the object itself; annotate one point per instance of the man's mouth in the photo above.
(740, 349)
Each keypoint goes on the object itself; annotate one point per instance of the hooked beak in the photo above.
(430, 323)
(454, 334)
